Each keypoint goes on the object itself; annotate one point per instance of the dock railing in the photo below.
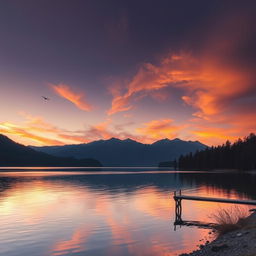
(178, 197)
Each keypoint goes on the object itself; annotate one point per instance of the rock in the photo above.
(236, 243)
(219, 247)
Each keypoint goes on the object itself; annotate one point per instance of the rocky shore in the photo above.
(241, 242)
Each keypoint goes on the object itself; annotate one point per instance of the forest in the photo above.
(239, 155)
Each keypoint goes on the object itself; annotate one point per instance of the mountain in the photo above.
(14, 154)
(116, 152)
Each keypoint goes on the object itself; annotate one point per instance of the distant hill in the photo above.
(14, 154)
(115, 152)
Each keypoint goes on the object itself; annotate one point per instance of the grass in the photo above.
(231, 219)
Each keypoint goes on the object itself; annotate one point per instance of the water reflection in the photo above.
(74, 213)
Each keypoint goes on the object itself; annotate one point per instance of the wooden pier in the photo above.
(178, 197)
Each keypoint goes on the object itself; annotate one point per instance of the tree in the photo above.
(239, 155)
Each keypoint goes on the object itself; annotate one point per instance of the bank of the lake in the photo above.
(236, 243)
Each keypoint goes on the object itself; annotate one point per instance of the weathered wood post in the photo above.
(178, 209)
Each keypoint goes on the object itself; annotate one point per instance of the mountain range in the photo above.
(116, 152)
(14, 154)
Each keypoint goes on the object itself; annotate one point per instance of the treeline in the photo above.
(239, 155)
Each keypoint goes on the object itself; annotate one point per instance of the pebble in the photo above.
(217, 248)
(236, 243)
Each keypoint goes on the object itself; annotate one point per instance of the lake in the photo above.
(120, 211)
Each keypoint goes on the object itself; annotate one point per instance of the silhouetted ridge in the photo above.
(5, 139)
(113, 140)
(159, 142)
(128, 152)
(14, 154)
(239, 155)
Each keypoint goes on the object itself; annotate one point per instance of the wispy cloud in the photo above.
(216, 83)
(36, 131)
(159, 129)
(69, 94)
(25, 132)
(217, 93)
(107, 130)
(207, 87)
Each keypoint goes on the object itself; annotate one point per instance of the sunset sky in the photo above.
(144, 70)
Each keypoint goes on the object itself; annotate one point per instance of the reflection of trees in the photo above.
(242, 183)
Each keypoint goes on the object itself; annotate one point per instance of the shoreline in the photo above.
(241, 242)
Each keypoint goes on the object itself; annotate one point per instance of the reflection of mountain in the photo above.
(126, 182)
(14, 154)
(99, 181)
(240, 183)
(115, 152)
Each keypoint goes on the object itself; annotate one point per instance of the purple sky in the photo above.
(146, 70)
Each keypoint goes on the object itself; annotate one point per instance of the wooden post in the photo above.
(178, 197)
(178, 209)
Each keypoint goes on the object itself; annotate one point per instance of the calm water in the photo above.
(111, 212)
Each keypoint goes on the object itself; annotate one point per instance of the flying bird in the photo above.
(45, 98)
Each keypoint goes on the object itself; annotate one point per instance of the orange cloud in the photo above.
(216, 92)
(107, 130)
(36, 131)
(213, 135)
(120, 104)
(12, 129)
(158, 129)
(78, 99)
(205, 84)
(213, 132)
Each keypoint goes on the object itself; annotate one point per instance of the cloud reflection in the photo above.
(80, 214)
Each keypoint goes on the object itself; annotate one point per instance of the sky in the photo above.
(145, 70)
